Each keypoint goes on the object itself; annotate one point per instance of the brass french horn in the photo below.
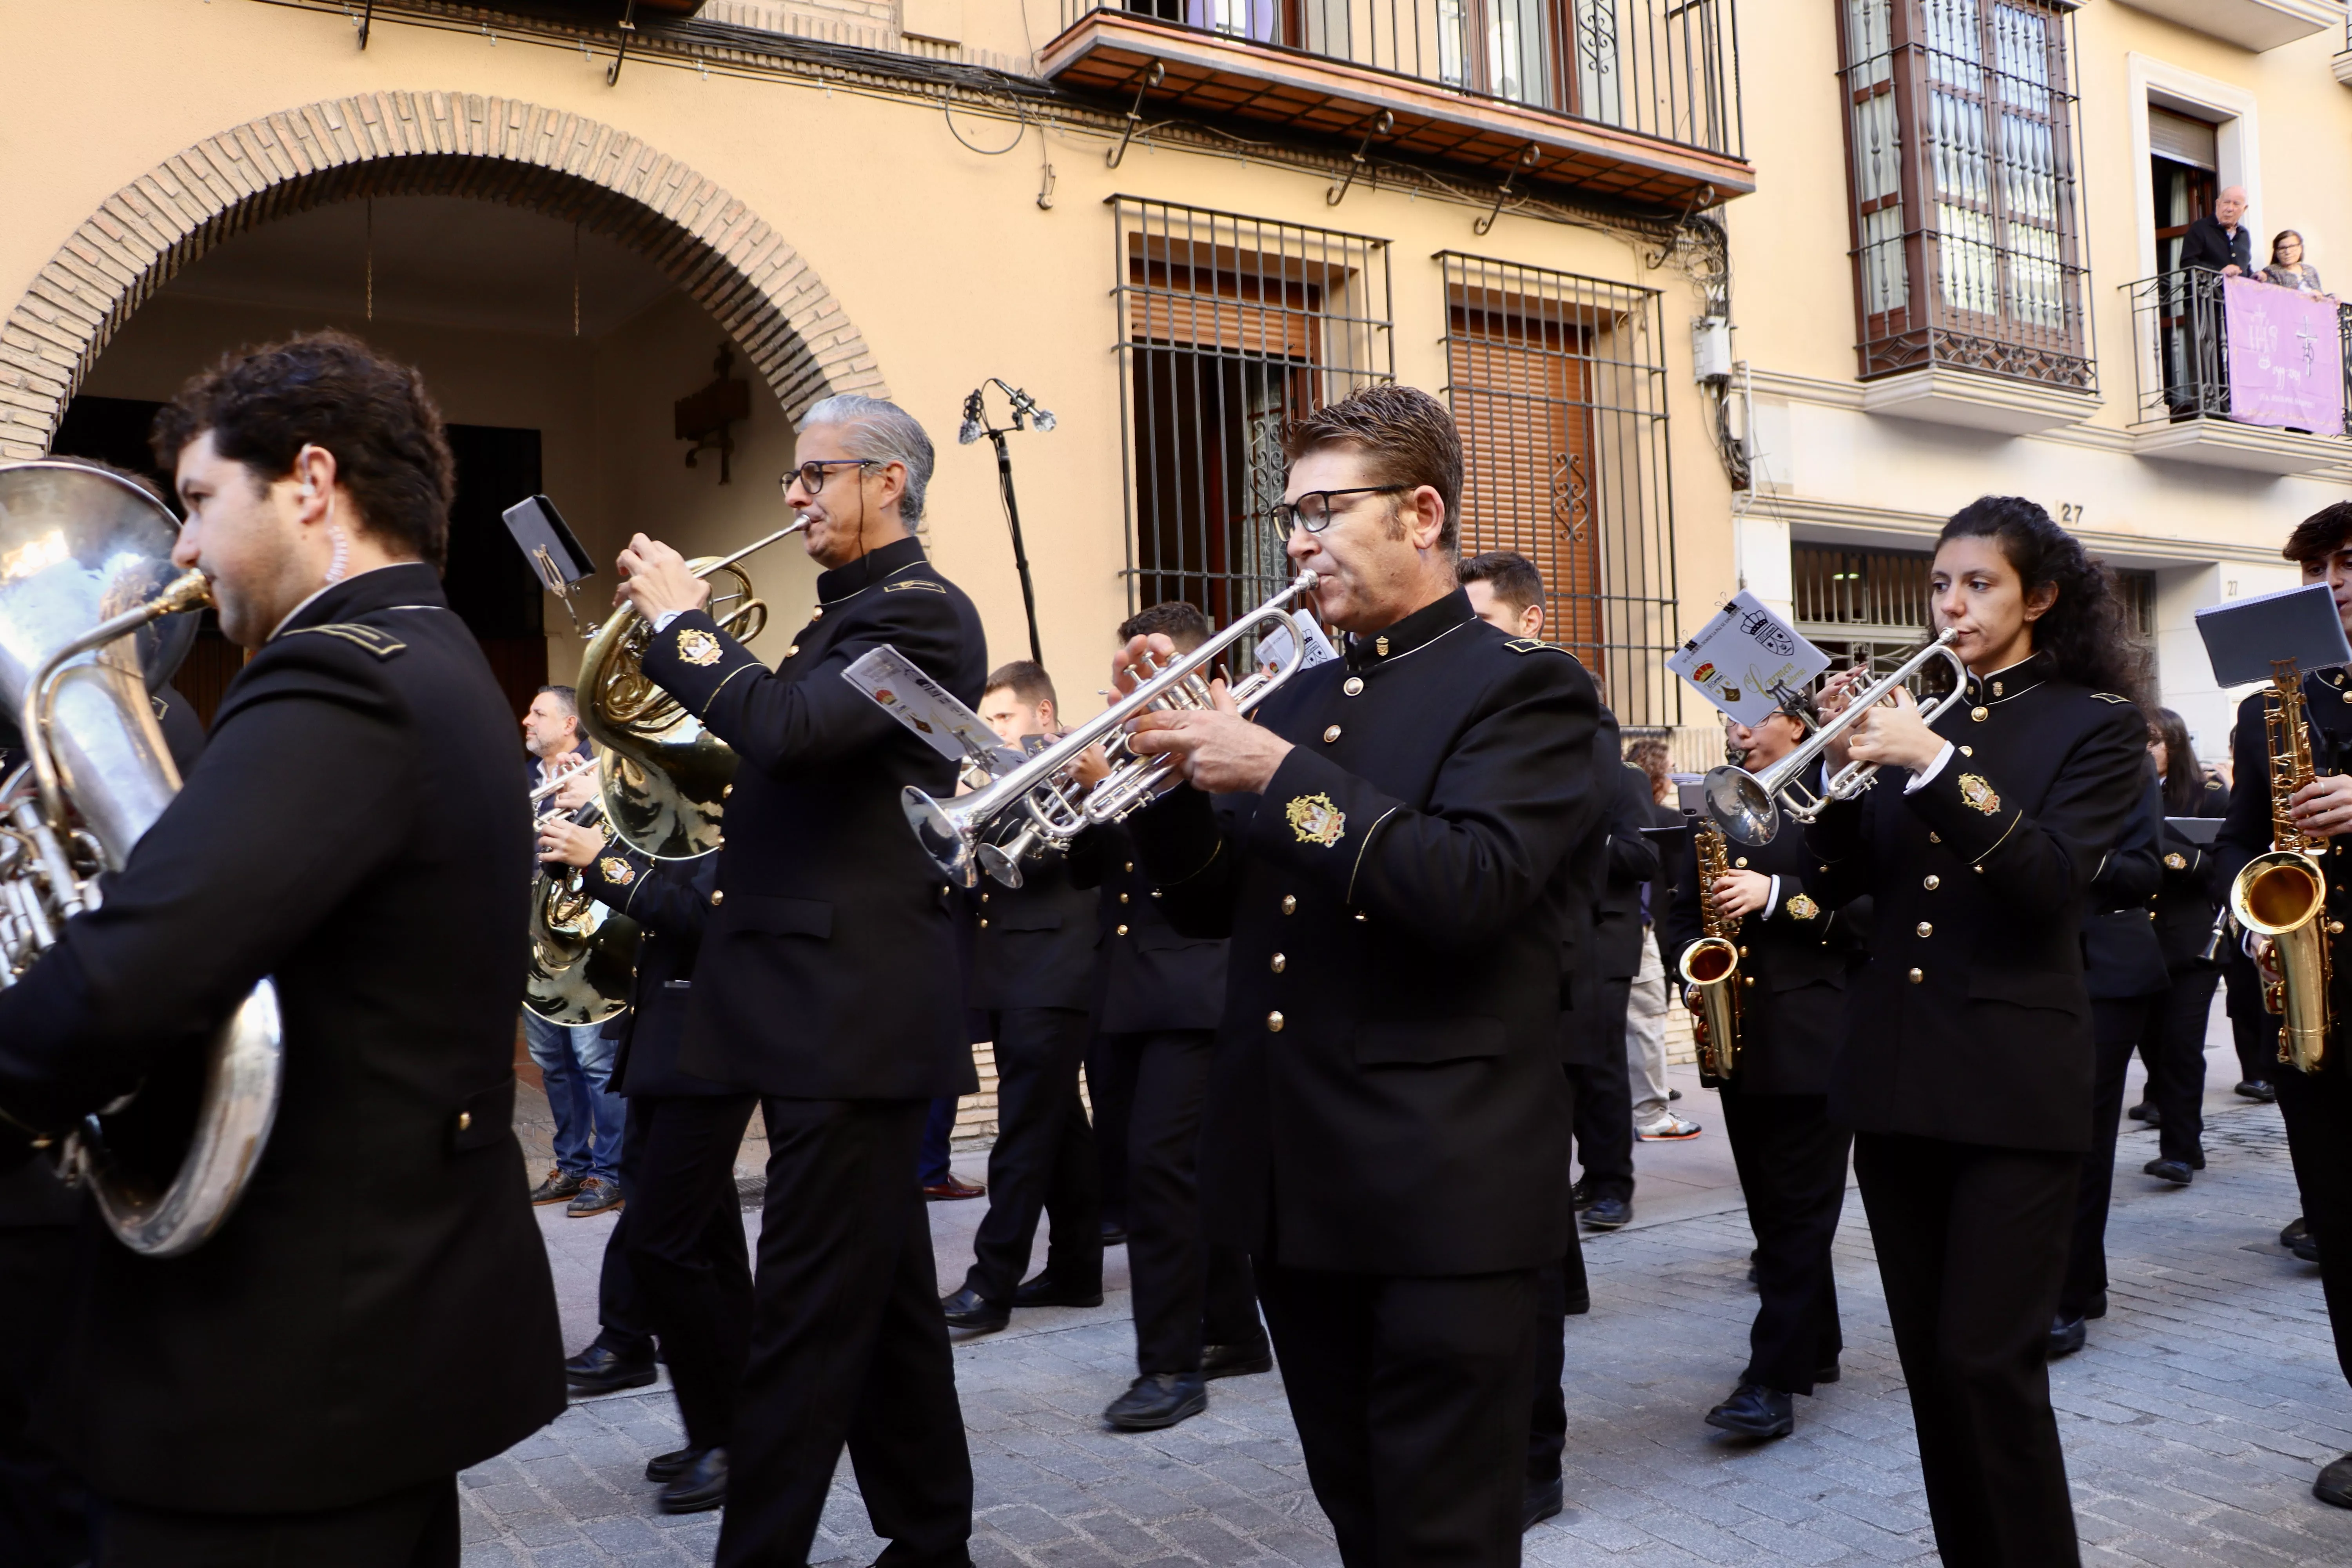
(584, 953)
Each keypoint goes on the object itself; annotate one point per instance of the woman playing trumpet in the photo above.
(1966, 1069)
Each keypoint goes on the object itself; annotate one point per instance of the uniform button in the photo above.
(726, 790)
(2151, 914)
(818, 614)
(1917, 975)
(1289, 905)
(983, 923)
(1979, 714)
(464, 1120)
(1363, 916)
(1122, 931)
(1330, 734)
(1130, 865)
(1748, 980)
(2347, 697)
(793, 651)
(1935, 838)
(1924, 929)
(1354, 685)
(718, 896)
(1280, 963)
(1968, 751)
(983, 897)
(1155, 893)
(1741, 862)
(1743, 953)
(943, 889)
(1123, 897)
(1273, 1023)
(1931, 882)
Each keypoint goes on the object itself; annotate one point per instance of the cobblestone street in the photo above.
(2194, 1421)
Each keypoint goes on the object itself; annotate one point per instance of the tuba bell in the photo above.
(86, 598)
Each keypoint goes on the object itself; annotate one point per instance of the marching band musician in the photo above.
(2186, 903)
(825, 985)
(304, 1387)
(2317, 1106)
(1979, 845)
(680, 1240)
(1386, 1123)
(1791, 1154)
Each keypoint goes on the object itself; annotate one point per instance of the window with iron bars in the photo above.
(1559, 386)
(1960, 143)
(1231, 327)
(1872, 606)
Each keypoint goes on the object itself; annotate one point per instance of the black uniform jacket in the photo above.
(670, 901)
(356, 829)
(1589, 1033)
(2191, 892)
(1035, 945)
(2121, 955)
(1971, 1021)
(1387, 1094)
(828, 968)
(1792, 1017)
(1152, 976)
(1632, 863)
(2246, 832)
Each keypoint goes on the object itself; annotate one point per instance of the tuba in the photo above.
(2283, 895)
(85, 594)
(1711, 967)
(664, 776)
(582, 954)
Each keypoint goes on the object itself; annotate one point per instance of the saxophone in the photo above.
(2283, 895)
(1710, 966)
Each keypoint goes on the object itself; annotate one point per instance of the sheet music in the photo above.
(924, 706)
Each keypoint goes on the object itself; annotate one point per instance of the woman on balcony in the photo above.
(2288, 269)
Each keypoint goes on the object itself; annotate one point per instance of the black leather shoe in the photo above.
(1114, 1234)
(1829, 1374)
(2297, 1238)
(670, 1466)
(699, 1487)
(1236, 1361)
(1045, 1290)
(2144, 1111)
(2177, 1171)
(1756, 1411)
(2334, 1483)
(967, 1308)
(1608, 1214)
(2066, 1336)
(1581, 1195)
(598, 1370)
(2097, 1306)
(2258, 1089)
(1543, 1501)
(1157, 1399)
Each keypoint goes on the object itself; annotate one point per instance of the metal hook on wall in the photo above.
(1153, 75)
(1528, 160)
(1380, 125)
(628, 31)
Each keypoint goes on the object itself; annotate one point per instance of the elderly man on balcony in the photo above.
(2220, 243)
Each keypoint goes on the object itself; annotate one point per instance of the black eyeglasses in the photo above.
(811, 474)
(1312, 511)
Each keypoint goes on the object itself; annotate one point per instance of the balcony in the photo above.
(2252, 24)
(1632, 100)
(2252, 379)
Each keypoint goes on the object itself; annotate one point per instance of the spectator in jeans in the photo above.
(2288, 269)
(1655, 1121)
(575, 1061)
(2220, 243)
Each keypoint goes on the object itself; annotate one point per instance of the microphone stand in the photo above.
(976, 424)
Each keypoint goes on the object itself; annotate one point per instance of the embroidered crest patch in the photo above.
(1802, 908)
(1978, 794)
(697, 647)
(1316, 820)
(615, 870)
(2175, 862)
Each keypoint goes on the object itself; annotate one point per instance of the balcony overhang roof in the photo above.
(1111, 52)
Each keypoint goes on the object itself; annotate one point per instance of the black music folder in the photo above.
(548, 543)
(2196, 830)
(2246, 636)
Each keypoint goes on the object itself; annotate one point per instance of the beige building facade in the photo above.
(1958, 276)
(1171, 223)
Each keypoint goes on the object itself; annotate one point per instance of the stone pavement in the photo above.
(2193, 1422)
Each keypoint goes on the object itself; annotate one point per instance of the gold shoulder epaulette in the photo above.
(382, 644)
(913, 583)
(2110, 696)
(1533, 645)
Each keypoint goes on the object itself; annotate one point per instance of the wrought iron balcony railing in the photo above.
(2181, 335)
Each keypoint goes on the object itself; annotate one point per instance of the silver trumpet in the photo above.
(961, 834)
(1745, 802)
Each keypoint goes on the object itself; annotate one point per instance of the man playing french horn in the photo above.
(304, 1384)
(2317, 1103)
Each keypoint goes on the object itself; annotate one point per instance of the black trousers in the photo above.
(623, 1323)
(1604, 1098)
(417, 1528)
(847, 1345)
(1110, 1086)
(1187, 1292)
(2116, 1028)
(682, 1234)
(1972, 1248)
(1411, 1398)
(1559, 1287)
(43, 1512)
(1044, 1160)
(2172, 1042)
(1791, 1161)
(2254, 1029)
(2319, 1109)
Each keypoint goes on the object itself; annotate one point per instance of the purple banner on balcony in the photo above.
(2286, 358)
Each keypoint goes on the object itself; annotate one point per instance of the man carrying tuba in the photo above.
(304, 1387)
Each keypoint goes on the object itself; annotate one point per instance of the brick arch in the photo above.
(714, 247)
